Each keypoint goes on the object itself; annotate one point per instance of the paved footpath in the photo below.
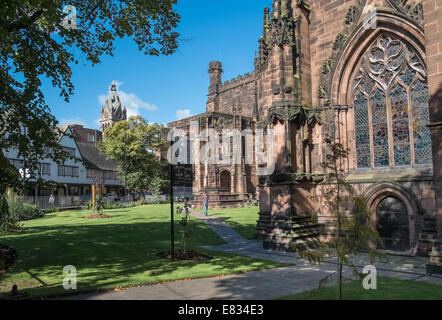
(259, 285)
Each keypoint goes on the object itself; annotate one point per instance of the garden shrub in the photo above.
(7, 222)
(20, 210)
(112, 205)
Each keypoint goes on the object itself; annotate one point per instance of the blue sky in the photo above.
(164, 88)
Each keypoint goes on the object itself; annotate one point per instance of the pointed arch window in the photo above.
(391, 107)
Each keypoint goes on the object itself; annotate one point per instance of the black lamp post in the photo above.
(172, 235)
(172, 182)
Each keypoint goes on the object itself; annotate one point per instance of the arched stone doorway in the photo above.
(394, 215)
(392, 223)
(225, 180)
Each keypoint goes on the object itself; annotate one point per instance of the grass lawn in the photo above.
(111, 253)
(242, 220)
(388, 289)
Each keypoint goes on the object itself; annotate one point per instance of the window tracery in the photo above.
(391, 106)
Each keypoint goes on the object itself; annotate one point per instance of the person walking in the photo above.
(206, 203)
(51, 201)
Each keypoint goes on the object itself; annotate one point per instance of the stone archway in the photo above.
(394, 215)
(392, 224)
(225, 180)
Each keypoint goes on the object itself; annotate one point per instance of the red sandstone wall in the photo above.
(239, 92)
(433, 46)
(327, 19)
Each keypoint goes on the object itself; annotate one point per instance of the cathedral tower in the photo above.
(113, 111)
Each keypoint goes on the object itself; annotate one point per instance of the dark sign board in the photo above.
(183, 175)
(183, 181)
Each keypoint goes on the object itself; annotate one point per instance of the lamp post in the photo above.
(172, 182)
(172, 231)
(125, 166)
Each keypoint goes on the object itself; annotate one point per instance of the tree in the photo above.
(134, 145)
(353, 232)
(97, 179)
(37, 40)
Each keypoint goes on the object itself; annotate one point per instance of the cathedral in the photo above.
(368, 74)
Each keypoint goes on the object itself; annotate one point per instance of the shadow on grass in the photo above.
(111, 255)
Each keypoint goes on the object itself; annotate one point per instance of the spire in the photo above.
(276, 9)
(282, 9)
(266, 28)
(113, 110)
(113, 100)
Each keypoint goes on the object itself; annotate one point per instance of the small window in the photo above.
(91, 138)
(46, 169)
(65, 171)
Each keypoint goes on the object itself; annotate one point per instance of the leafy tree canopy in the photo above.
(35, 43)
(134, 146)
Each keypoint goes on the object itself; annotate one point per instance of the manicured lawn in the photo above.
(242, 220)
(387, 289)
(111, 253)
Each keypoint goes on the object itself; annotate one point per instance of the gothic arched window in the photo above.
(391, 107)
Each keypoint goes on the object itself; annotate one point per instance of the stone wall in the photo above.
(433, 46)
(239, 94)
(327, 20)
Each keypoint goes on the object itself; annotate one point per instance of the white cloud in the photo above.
(64, 122)
(118, 83)
(102, 100)
(182, 114)
(134, 104)
(131, 101)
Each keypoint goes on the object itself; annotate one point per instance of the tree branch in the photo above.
(22, 25)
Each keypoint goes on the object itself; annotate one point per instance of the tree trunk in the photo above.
(338, 236)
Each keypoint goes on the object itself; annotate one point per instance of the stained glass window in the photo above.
(399, 119)
(362, 131)
(380, 129)
(421, 117)
(391, 106)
